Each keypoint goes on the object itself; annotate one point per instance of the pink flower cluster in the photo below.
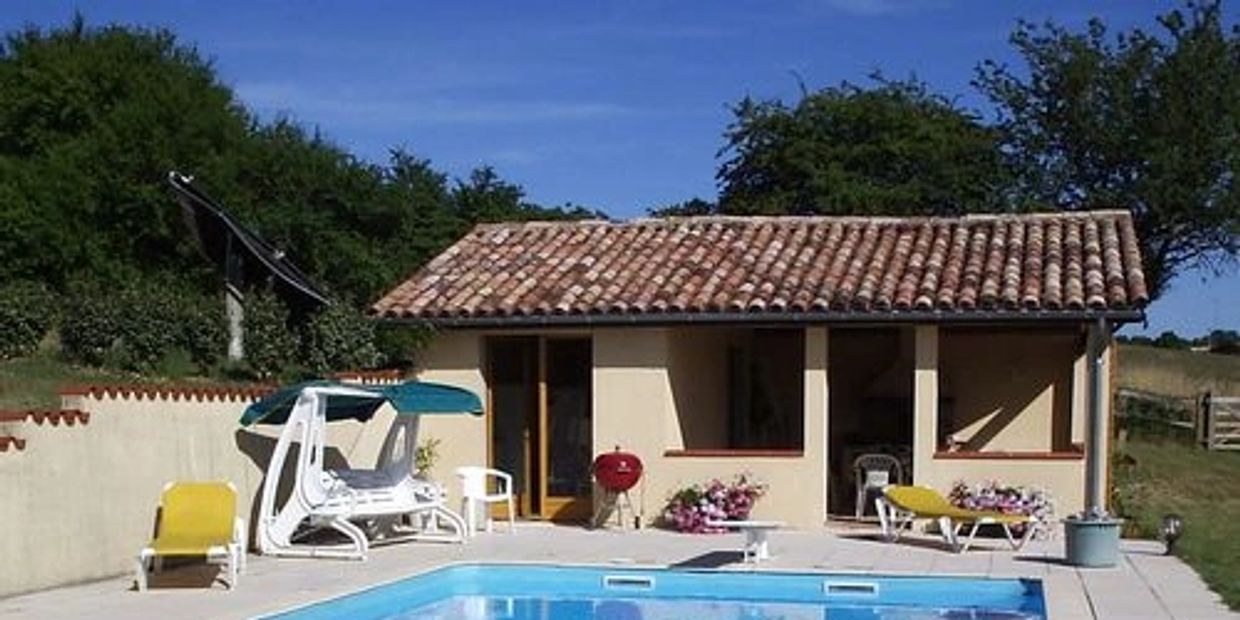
(692, 507)
(1003, 498)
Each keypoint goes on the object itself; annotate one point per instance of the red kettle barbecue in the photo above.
(616, 472)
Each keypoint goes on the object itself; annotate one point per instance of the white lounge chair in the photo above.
(348, 500)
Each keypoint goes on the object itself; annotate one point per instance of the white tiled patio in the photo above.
(1146, 584)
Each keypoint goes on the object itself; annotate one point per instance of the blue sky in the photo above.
(617, 106)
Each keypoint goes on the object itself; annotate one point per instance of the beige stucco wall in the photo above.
(80, 501)
(455, 358)
(636, 407)
(925, 401)
(1063, 479)
(1009, 390)
(698, 367)
(1055, 362)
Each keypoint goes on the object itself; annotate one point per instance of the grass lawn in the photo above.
(35, 382)
(1203, 487)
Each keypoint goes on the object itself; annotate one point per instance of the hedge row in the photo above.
(152, 328)
(138, 328)
(337, 338)
(27, 312)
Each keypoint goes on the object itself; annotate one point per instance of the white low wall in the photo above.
(80, 500)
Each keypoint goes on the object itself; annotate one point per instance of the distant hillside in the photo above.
(1177, 373)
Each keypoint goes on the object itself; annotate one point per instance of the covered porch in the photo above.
(949, 403)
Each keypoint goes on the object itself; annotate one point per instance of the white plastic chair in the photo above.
(476, 497)
(873, 472)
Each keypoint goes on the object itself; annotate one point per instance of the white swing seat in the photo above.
(344, 498)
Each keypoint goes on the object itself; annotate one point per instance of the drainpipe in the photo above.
(1096, 458)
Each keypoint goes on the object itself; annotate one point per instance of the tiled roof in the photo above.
(824, 267)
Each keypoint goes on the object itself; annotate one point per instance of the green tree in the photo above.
(486, 197)
(91, 119)
(1141, 121)
(895, 148)
(1224, 341)
(685, 208)
(1170, 340)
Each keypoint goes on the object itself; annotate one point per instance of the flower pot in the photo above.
(1092, 542)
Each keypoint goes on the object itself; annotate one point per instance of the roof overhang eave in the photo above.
(658, 319)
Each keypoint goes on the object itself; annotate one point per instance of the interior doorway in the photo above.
(871, 407)
(540, 421)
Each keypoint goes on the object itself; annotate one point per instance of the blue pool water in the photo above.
(540, 592)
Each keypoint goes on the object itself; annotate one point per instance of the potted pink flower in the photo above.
(690, 508)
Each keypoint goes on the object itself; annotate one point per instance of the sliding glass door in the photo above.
(540, 421)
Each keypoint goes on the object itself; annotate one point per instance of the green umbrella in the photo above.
(409, 398)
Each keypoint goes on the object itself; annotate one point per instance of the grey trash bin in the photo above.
(1092, 542)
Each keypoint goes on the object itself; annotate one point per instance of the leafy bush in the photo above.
(270, 346)
(340, 338)
(148, 329)
(91, 325)
(27, 310)
(203, 330)
(425, 455)
(138, 328)
(398, 343)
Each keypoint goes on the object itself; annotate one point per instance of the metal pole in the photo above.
(233, 308)
(1096, 458)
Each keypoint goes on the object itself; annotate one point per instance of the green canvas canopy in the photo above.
(408, 398)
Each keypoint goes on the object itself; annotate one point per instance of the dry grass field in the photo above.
(1182, 374)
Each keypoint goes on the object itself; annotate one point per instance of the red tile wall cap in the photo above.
(186, 392)
(1043, 263)
(8, 440)
(52, 416)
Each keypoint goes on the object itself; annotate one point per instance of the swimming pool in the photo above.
(543, 592)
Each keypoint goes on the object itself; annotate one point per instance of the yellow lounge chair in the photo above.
(197, 519)
(899, 506)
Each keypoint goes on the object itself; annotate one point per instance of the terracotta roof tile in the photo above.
(196, 392)
(55, 417)
(965, 266)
